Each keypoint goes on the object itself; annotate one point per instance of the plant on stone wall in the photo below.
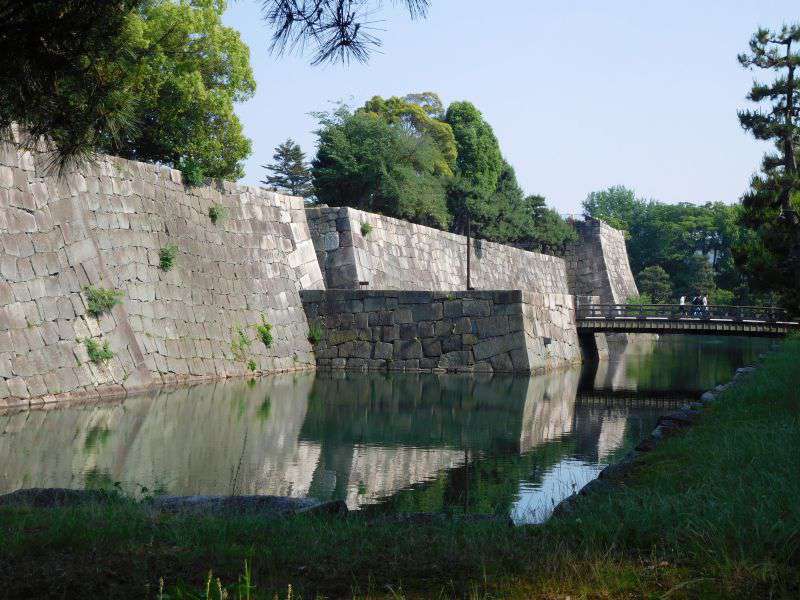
(101, 300)
(166, 257)
(217, 212)
(240, 344)
(97, 353)
(265, 332)
(251, 365)
(366, 228)
(315, 333)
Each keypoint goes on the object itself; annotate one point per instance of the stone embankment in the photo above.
(116, 276)
(509, 331)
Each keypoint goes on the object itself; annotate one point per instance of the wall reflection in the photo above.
(449, 442)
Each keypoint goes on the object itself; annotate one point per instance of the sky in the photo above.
(581, 94)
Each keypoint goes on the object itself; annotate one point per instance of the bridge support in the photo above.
(594, 346)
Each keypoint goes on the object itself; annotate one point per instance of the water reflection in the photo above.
(400, 442)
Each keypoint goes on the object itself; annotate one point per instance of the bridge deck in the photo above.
(666, 319)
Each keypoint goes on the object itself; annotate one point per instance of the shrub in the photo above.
(217, 212)
(251, 365)
(265, 332)
(240, 343)
(315, 333)
(166, 257)
(366, 228)
(192, 172)
(101, 300)
(96, 352)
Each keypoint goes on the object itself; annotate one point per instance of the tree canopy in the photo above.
(367, 162)
(409, 157)
(290, 171)
(771, 256)
(687, 241)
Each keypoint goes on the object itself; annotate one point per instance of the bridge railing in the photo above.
(768, 314)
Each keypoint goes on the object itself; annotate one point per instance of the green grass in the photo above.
(166, 257)
(217, 212)
(264, 330)
(97, 353)
(366, 229)
(315, 333)
(101, 300)
(711, 513)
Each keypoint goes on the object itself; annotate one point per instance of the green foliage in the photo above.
(366, 229)
(62, 71)
(240, 344)
(720, 297)
(615, 205)
(290, 171)
(639, 300)
(770, 256)
(264, 330)
(413, 113)
(101, 300)
(192, 171)
(251, 365)
(365, 162)
(152, 80)
(166, 257)
(654, 282)
(479, 161)
(315, 333)
(217, 212)
(193, 69)
(694, 244)
(97, 353)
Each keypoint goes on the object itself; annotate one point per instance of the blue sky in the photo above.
(581, 94)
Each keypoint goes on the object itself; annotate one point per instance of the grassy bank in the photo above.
(712, 512)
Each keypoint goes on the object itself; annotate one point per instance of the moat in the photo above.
(500, 444)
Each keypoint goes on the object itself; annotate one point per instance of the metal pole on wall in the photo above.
(469, 284)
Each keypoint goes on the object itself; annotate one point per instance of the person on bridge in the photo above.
(705, 305)
(682, 302)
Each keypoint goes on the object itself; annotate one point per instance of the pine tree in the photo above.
(291, 173)
(772, 257)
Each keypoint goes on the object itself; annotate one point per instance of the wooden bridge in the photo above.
(753, 321)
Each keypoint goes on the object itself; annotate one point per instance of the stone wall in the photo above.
(103, 225)
(597, 265)
(354, 246)
(500, 331)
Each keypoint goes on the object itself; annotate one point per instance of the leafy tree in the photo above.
(336, 29)
(479, 160)
(655, 282)
(193, 70)
(368, 163)
(696, 277)
(290, 172)
(615, 205)
(63, 64)
(772, 257)
(412, 113)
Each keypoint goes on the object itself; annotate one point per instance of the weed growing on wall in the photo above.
(192, 173)
(97, 353)
(251, 365)
(217, 212)
(101, 300)
(240, 344)
(166, 257)
(366, 228)
(315, 333)
(265, 332)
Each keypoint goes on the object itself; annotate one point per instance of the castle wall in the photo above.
(477, 331)
(390, 254)
(103, 225)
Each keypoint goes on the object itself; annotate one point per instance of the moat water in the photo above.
(507, 445)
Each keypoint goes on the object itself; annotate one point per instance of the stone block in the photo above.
(451, 343)
(432, 347)
(405, 350)
(427, 312)
(382, 350)
(408, 331)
